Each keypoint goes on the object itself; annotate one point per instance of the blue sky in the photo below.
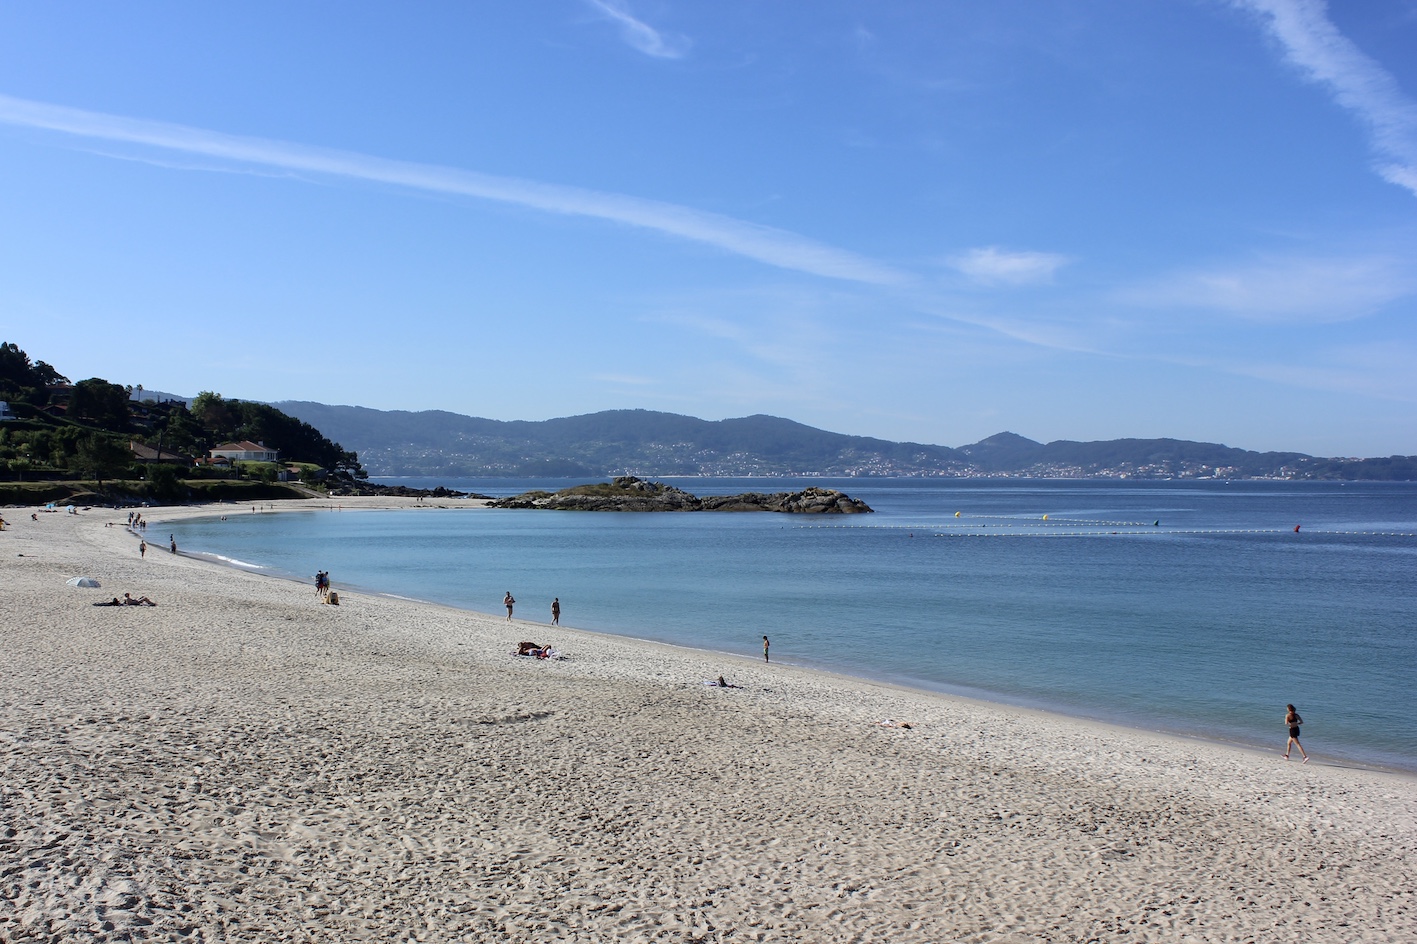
(927, 221)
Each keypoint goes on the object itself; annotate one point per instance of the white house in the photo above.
(246, 451)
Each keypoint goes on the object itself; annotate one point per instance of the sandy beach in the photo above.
(244, 763)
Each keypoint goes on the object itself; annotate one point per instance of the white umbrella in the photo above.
(82, 582)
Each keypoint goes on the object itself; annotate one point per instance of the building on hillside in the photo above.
(145, 453)
(295, 473)
(246, 451)
(5, 413)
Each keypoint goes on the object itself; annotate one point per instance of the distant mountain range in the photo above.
(647, 443)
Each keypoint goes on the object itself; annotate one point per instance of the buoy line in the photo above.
(1158, 532)
(1049, 519)
(1054, 530)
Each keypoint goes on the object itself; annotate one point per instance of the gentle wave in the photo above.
(231, 561)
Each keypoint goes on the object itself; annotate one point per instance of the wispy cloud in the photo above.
(1357, 82)
(1297, 289)
(639, 34)
(1382, 372)
(792, 330)
(990, 265)
(765, 244)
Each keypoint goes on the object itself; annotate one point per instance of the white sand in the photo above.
(242, 763)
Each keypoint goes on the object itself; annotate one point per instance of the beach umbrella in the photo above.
(82, 582)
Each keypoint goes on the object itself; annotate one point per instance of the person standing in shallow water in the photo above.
(1292, 722)
(508, 602)
(556, 612)
(765, 649)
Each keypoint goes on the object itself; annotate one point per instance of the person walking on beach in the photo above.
(765, 649)
(1292, 722)
(508, 602)
(142, 548)
(556, 612)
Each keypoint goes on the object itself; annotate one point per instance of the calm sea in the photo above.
(1193, 607)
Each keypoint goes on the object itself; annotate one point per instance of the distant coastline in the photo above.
(649, 444)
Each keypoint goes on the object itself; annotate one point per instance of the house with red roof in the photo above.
(245, 451)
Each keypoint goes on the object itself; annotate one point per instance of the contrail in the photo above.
(765, 244)
(1356, 81)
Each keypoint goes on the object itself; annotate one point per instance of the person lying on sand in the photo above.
(527, 648)
(892, 723)
(114, 602)
(721, 683)
(140, 601)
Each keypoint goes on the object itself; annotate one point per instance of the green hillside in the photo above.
(86, 431)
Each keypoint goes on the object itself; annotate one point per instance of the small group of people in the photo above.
(143, 545)
(129, 600)
(322, 584)
(509, 602)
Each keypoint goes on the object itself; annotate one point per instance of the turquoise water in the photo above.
(1187, 607)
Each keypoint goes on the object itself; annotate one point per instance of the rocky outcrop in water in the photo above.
(628, 493)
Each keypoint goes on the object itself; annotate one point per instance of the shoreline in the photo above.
(965, 693)
(242, 761)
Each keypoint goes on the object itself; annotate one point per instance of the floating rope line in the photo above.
(1158, 532)
(1048, 519)
(1039, 530)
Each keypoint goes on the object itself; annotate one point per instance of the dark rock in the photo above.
(628, 493)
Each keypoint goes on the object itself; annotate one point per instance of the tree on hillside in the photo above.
(103, 404)
(213, 413)
(177, 430)
(164, 483)
(101, 456)
(22, 380)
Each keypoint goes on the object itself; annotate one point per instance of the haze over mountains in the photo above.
(648, 443)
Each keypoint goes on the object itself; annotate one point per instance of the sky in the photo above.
(923, 221)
